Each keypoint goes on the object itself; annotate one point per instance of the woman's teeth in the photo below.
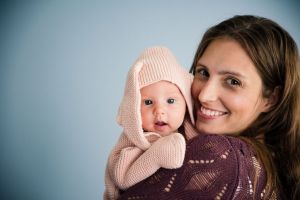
(209, 112)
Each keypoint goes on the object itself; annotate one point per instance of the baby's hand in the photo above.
(152, 137)
(171, 150)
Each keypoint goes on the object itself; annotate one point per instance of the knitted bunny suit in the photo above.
(134, 158)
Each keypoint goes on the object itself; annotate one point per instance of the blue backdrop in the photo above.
(63, 66)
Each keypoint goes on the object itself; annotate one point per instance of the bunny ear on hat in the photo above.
(132, 85)
(129, 114)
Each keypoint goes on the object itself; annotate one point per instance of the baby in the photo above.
(152, 113)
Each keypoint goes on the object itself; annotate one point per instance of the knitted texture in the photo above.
(215, 167)
(133, 158)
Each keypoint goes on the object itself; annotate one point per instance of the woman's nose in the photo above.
(208, 92)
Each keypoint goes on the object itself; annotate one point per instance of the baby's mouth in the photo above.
(160, 123)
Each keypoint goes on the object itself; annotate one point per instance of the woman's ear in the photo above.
(272, 99)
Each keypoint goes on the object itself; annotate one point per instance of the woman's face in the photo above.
(227, 89)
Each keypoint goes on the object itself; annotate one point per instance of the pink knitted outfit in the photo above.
(133, 159)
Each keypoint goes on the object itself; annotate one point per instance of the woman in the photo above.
(246, 92)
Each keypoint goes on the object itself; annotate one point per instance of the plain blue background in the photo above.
(63, 66)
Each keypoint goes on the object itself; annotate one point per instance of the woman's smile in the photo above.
(209, 113)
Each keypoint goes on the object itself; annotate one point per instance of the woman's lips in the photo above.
(207, 113)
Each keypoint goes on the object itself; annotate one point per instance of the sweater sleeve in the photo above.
(215, 167)
(134, 165)
(129, 165)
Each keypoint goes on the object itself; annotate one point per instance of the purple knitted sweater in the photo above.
(215, 167)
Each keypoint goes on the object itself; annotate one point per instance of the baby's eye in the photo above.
(171, 101)
(233, 82)
(148, 102)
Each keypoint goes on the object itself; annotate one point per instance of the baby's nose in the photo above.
(159, 110)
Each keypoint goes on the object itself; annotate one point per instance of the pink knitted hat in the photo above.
(154, 64)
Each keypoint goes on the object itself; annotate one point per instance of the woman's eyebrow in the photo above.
(199, 64)
(224, 72)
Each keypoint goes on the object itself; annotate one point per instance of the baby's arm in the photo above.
(135, 165)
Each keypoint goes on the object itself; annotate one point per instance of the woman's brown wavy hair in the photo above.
(275, 55)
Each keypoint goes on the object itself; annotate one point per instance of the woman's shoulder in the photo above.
(231, 164)
(226, 154)
(219, 146)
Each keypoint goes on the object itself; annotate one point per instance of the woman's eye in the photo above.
(233, 82)
(201, 72)
(148, 102)
(171, 101)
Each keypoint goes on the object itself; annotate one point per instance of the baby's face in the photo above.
(162, 108)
